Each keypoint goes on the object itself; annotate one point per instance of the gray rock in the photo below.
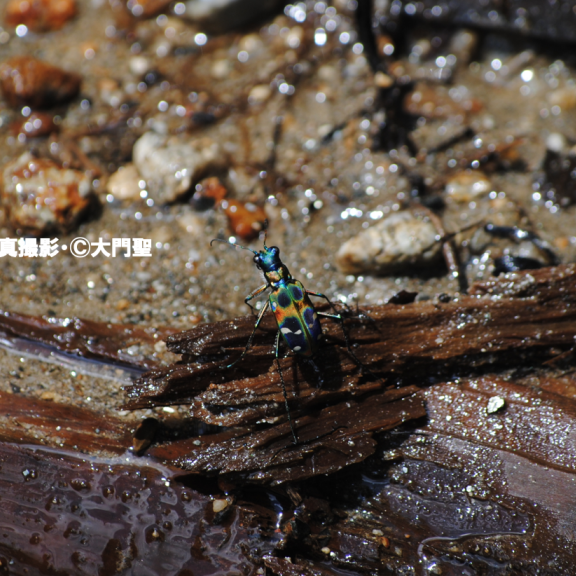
(397, 243)
(171, 164)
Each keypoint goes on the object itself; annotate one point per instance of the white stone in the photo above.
(170, 164)
(399, 242)
(123, 184)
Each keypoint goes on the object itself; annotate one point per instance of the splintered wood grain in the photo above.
(475, 486)
(328, 440)
(29, 421)
(503, 322)
(87, 338)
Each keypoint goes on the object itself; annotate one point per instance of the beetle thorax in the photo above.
(277, 276)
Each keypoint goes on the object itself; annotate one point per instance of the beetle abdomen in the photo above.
(296, 318)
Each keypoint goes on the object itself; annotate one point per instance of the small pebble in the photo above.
(122, 304)
(36, 125)
(563, 97)
(160, 347)
(40, 15)
(162, 234)
(39, 196)
(208, 193)
(110, 92)
(495, 404)
(383, 80)
(557, 142)
(139, 65)
(220, 69)
(170, 164)
(191, 224)
(28, 81)
(260, 93)
(123, 184)
(245, 219)
(467, 185)
(219, 505)
(464, 43)
(399, 242)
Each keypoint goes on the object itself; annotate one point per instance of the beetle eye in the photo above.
(275, 250)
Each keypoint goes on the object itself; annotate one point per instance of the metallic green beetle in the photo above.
(290, 302)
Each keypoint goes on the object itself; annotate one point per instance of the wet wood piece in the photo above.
(530, 423)
(65, 514)
(521, 312)
(489, 481)
(470, 490)
(29, 421)
(556, 22)
(466, 324)
(329, 440)
(474, 489)
(300, 567)
(250, 396)
(116, 343)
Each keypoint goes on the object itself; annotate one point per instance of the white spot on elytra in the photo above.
(297, 348)
(285, 330)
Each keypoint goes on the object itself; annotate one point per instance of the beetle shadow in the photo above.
(323, 371)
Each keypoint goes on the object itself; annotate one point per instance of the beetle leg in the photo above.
(284, 387)
(319, 295)
(325, 315)
(249, 343)
(318, 374)
(253, 295)
(339, 317)
(336, 316)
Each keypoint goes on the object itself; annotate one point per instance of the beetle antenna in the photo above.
(232, 244)
(265, 232)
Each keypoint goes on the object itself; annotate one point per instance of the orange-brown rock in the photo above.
(244, 218)
(37, 124)
(38, 195)
(28, 81)
(40, 15)
(209, 193)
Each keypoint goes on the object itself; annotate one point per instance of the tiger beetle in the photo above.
(295, 314)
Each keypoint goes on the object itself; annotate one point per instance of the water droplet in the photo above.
(29, 474)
